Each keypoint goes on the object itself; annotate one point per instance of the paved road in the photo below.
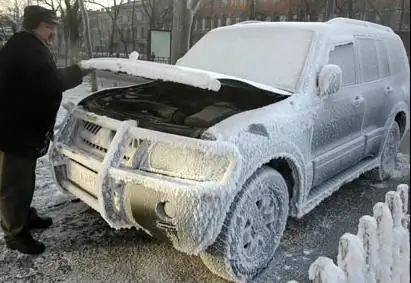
(82, 248)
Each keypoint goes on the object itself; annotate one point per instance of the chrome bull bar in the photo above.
(110, 193)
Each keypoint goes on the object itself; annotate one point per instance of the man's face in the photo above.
(46, 32)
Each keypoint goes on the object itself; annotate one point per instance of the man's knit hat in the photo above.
(34, 15)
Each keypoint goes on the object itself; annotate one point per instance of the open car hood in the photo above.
(173, 73)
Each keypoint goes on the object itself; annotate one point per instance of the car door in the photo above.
(338, 142)
(377, 89)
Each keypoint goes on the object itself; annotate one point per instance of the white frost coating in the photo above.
(351, 257)
(134, 55)
(179, 74)
(367, 232)
(402, 166)
(396, 255)
(152, 70)
(323, 270)
(284, 130)
(330, 80)
(393, 201)
(383, 217)
(112, 193)
(403, 191)
(405, 255)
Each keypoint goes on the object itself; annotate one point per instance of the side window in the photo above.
(344, 56)
(383, 59)
(368, 60)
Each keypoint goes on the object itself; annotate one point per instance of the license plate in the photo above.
(83, 177)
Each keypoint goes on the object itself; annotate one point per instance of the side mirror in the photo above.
(329, 80)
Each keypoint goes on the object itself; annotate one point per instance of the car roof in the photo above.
(337, 25)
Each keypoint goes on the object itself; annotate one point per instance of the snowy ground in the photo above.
(82, 248)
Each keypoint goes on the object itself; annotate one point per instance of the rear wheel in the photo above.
(388, 158)
(253, 228)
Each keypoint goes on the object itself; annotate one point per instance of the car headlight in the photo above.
(186, 163)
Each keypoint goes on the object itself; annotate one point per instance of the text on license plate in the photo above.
(83, 177)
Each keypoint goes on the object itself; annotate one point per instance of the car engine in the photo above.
(176, 108)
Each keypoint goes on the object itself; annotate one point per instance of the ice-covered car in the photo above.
(256, 123)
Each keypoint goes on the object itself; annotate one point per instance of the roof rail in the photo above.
(249, 22)
(347, 21)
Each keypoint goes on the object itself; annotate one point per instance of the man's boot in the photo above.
(24, 243)
(34, 221)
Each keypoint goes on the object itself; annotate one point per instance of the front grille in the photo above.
(96, 140)
(90, 127)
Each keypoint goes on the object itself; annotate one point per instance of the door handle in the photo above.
(357, 101)
(388, 89)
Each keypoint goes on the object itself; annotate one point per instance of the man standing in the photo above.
(31, 88)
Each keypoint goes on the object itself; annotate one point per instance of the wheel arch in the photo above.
(401, 119)
(289, 170)
(401, 115)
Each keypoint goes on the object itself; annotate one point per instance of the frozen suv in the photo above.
(256, 123)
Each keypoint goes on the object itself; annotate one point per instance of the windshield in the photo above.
(263, 53)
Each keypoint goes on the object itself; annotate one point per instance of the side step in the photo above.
(326, 189)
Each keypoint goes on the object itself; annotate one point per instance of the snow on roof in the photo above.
(338, 24)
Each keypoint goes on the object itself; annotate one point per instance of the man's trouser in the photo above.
(17, 183)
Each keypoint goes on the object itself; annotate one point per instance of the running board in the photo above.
(326, 189)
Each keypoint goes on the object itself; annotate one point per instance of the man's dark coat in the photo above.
(31, 88)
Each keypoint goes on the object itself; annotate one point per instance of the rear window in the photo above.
(397, 56)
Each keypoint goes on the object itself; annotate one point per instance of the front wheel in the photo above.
(388, 158)
(253, 228)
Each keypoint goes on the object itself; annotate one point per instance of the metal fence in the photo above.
(144, 57)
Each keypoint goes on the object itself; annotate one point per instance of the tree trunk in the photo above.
(350, 6)
(251, 14)
(183, 14)
(113, 33)
(401, 15)
(66, 47)
(133, 28)
(87, 35)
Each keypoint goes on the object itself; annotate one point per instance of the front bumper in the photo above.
(188, 213)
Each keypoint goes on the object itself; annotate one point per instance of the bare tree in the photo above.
(11, 12)
(157, 12)
(133, 25)
(87, 35)
(69, 11)
(183, 14)
(113, 12)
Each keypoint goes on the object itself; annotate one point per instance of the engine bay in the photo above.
(176, 108)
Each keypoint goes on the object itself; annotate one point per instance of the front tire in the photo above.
(253, 228)
(388, 158)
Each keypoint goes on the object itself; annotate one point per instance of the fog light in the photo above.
(165, 210)
(169, 210)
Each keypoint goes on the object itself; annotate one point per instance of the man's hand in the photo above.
(86, 71)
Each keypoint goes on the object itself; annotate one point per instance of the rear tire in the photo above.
(388, 157)
(253, 228)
